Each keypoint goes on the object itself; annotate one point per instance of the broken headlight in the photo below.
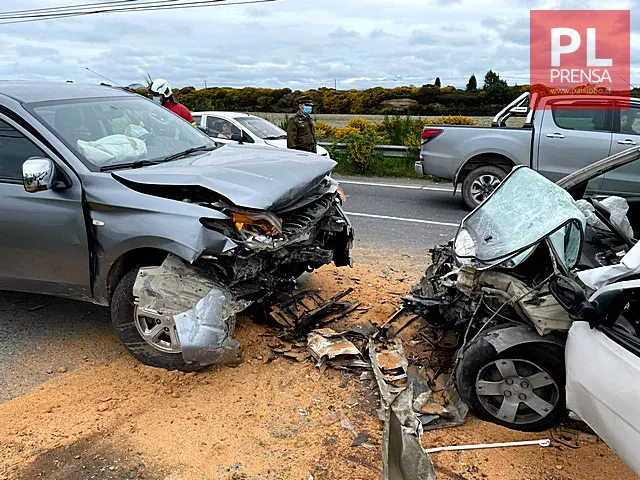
(260, 223)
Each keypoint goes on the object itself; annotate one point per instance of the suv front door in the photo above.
(43, 246)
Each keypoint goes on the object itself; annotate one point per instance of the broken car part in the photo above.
(403, 457)
(307, 309)
(328, 346)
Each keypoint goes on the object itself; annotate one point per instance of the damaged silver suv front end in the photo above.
(189, 309)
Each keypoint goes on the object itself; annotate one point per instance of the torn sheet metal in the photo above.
(203, 311)
(629, 265)
(403, 457)
(390, 368)
(307, 309)
(326, 345)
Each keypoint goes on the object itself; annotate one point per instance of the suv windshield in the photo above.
(262, 128)
(110, 131)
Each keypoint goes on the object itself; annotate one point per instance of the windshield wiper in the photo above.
(189, 151)
(145, 163)
(136, 164)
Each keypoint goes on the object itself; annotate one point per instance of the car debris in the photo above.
(328, 346)
(307, 309)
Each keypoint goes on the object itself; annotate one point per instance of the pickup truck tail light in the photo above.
(429, 134)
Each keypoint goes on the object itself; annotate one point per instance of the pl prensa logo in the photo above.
(580, 52)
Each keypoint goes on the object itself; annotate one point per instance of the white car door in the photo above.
(603, 386)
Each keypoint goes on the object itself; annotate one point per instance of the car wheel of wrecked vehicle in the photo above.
(480, 183)
(521, 388)
(152, 341)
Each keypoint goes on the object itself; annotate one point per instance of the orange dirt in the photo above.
(265, 419)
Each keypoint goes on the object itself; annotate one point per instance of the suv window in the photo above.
(15, 148)
(585, 120)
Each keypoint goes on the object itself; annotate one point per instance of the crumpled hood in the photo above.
(261, 178)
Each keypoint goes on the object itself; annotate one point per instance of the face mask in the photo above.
(157, 100)
(307, 109)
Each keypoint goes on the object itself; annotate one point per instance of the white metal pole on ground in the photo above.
(541, 443)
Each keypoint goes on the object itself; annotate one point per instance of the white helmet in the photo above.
(160, 86)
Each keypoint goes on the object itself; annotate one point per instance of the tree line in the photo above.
(426, 100)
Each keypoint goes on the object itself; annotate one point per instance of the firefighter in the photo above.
(161, 93)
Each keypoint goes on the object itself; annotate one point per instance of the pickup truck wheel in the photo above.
(479, 184)
(521, 389)
(148, 343)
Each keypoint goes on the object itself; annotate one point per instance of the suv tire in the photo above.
(123, 319)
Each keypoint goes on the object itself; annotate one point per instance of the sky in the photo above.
(299, 44)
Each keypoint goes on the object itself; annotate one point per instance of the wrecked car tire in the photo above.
(124, 322)
(522, 388)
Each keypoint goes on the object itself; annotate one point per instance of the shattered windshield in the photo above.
(108, 131)
(524, 210)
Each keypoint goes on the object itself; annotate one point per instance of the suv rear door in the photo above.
(43, 246)
(572, 135)
(624, 181)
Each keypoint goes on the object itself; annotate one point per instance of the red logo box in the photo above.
(581, 52)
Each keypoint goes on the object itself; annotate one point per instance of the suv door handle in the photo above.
(628, 141)
(555, 135)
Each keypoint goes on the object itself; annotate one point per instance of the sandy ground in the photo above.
(264, 419)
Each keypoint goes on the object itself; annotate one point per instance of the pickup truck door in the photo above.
(603, 367)
(572, 135)
(43, 244)
(624, 181)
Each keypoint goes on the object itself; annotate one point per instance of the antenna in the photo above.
(102, 76)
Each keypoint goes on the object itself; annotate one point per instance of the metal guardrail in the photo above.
(385, 150)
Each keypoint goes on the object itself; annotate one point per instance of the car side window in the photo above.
(578, 119)
(15, 149)
(214, 124)
(628, 121)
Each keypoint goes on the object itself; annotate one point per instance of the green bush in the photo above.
(360, 148)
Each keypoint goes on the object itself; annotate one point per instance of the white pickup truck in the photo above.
(560, 135)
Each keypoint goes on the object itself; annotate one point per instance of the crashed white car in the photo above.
(540, 287)
(245, 129)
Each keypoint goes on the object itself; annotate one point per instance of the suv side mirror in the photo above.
(38, 174)
(237, 138)
(571, 297)
(203, 129)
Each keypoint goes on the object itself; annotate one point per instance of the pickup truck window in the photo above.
(118, 130)
(629, 121)
(15, 148)
(585, 120)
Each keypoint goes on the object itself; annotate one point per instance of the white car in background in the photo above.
(245, 129)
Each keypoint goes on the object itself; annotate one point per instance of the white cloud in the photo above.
(287, 43)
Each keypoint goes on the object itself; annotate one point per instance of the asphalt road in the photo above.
(39, 335)
(401, 216)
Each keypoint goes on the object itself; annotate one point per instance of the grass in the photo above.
(380, 166)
